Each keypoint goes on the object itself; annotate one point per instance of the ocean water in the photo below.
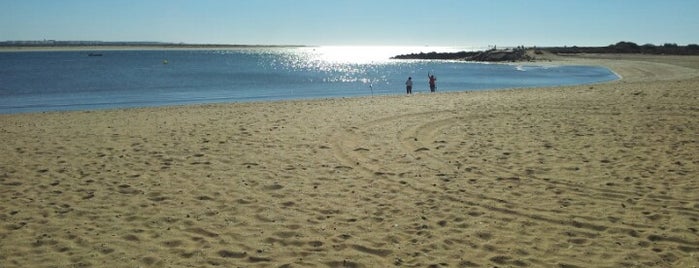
(73, 80)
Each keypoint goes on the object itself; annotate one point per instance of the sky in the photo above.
(475, 23)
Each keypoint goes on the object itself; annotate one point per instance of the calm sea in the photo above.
(73, 80)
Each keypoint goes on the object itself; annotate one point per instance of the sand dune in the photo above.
(598, 175)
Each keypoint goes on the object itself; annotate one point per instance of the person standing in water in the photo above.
(433, 82)
(409, 85)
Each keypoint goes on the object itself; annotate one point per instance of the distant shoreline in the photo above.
(117, 46)
(523, 54)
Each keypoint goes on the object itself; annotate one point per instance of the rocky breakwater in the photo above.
(493, 55)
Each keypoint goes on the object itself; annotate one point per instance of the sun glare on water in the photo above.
(349, 63)
(365, 54)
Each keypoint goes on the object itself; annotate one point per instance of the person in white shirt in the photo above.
(409, 85)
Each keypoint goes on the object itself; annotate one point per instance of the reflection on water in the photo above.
(348, 64)
(363, 54)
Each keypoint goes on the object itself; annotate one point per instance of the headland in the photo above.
(524, 54)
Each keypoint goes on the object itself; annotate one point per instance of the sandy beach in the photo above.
(601, 175)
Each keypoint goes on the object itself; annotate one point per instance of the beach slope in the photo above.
(600, 175)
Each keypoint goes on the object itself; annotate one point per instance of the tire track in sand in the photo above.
(417, 156)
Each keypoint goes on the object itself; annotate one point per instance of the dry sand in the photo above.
(598, 175)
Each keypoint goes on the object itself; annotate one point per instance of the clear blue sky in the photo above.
(356, 22)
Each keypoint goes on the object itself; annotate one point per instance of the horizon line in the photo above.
(54, 42)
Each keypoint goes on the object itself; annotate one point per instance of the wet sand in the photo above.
(600, 175)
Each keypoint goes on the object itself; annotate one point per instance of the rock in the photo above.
(493, 55)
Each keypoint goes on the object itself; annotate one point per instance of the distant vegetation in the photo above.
(630, 47)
